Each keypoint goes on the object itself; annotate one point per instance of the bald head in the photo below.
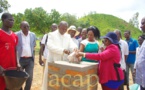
(24, 22)
(143, 24)
(84, 33)
(63, 25)
(54, 27)
(24, 27)
(118, 33)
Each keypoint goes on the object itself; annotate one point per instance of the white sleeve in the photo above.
(84, 42)
(137, 51)
(126, 49)
(72, 45)
(43, 39)
(52, 47)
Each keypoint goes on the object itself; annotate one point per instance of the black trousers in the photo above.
(8, 89)
(141, 88)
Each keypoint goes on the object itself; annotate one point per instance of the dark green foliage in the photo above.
(17, 20)
(38, 20)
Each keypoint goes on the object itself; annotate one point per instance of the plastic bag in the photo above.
(73, 59)
(134, 87)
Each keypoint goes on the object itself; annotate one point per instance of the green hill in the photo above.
(108, 23)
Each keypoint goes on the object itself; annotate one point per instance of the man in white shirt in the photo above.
(25, 51)
(43, 48)
(124, 53)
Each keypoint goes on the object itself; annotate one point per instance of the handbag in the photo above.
(134, 87)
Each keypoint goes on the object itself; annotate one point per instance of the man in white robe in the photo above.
(60, 45)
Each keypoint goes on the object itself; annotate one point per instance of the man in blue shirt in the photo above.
(133, 44)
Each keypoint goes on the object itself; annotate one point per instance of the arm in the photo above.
(16, 55)
(137, 53)
(82, 47)
(42, 47)
(135, 46)
(51, 45)
(1, 70)
(105, 55)
(35, 38)
(81, 50)
(34, 45)
(17, 60)
(41, 53)
(125, 57)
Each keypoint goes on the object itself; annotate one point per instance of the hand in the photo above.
(75, 49)
(66, 51)
(78, 54)
(1, 70)
(19, 68)
(41, 62)
(101, 49)
(80, 59)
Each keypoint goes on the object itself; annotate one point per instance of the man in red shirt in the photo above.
(8, 42)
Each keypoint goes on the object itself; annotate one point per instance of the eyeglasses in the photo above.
(25, 26)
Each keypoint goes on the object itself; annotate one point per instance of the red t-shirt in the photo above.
(8, 44)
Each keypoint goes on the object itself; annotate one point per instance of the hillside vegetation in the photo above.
(40, 21)
(108, 23)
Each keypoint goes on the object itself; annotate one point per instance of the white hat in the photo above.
(72, 27)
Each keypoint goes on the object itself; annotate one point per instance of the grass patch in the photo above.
(37, 48)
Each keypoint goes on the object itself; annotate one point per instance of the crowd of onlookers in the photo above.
(114, 55)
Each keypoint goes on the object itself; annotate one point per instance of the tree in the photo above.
(54, 16)
(71, 19)
(134, 20)
(4, 5)
(18, 18)
(38, 20)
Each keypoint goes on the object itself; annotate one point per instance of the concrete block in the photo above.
(63, 75)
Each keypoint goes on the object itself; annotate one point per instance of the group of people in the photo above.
(115, 56)
(17, 49)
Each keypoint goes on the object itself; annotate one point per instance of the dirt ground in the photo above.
(38, 73)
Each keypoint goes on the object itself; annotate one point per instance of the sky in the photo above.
(124, 9)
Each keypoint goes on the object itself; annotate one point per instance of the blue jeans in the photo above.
(129, 66)
(28, 65)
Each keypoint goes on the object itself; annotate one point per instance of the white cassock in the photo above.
(56, 44)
